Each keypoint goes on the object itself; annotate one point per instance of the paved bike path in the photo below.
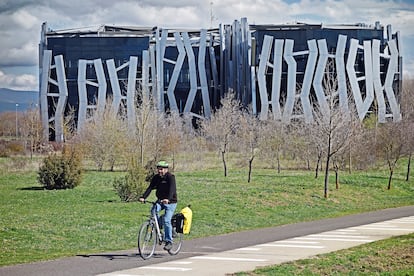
(234, 252)
(276, 252)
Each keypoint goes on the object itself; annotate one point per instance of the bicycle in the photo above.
(150, 233)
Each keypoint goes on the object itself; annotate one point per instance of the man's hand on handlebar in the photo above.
(163, 201)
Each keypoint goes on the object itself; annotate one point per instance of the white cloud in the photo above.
(20, 20)
(24, 19)
(18, 82)
(20, 55)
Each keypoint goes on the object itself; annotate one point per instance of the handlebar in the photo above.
(153, 202)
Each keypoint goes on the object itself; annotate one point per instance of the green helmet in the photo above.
(162, 164)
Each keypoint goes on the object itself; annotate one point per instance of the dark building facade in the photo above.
(270, 68)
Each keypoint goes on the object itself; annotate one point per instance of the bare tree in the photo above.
(332, 135)
(251, 139)
(221, 128)
(319, 153)
(8, 123)
(362, 145)
(183, 141)
(332, 130)
(32, 130)
(69, 123)
(273, 139)
(338, 162)
(390, 142)
(172, 134)
(146, 137)
(307, 145)
(104, 138)
(409, 129)
(407, 109)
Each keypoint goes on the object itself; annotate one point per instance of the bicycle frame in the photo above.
(154, 218)
(150, 233)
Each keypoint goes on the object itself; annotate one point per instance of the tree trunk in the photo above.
(223, 158)
(336, 179)
(31, 148)
(141, 157)
(325, 193)
(250, 169)
(317, 164)
(328, 159)
(390, 179)
(112, 162)
(350, 160)
(408, 167)
(173, 160)
(336, 169)
(278, 162)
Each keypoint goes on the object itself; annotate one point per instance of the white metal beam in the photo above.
(261, 76)
(277, 78)
(202, 73)
(307, 80)
(44, 84)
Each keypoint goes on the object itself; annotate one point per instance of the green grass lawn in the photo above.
(37, 224)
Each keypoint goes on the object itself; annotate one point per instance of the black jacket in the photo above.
(165, 186)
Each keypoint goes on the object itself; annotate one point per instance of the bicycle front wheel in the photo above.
(176, 245)
(147, 240)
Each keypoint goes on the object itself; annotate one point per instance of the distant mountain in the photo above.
(24, 99)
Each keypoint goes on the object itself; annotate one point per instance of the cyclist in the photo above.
(166, 192)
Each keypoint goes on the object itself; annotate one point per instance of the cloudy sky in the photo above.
(21, 20)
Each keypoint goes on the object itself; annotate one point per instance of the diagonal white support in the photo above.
(277, 78)
(44, 84)
(192, 71)
(116, 89)
(356, 92)
(100, 75)
(63, 95)
(176, 72)
(83, 101)
(392, 70)
(202, 73)
(131, 91)
(261, 76)
(57, 115)
(160, 45)
(369, 86)
(307, 80)
(291, 82)
(341, 73)
(376, 79)
(83, 82)
(318, 79)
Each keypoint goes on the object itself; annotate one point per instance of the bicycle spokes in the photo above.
(147, 240)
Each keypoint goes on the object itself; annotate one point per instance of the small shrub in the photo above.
(4, 151)
(9, 148)
(16, 147)
(19, 163)
(61, 171)
(131, 186)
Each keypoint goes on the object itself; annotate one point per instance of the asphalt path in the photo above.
(100, 263)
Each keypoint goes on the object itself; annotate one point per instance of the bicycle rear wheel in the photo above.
(147, 240)
(177, 243)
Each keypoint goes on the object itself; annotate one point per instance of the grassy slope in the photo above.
(37, 224)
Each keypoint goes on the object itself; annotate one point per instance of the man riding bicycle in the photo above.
(164, 184)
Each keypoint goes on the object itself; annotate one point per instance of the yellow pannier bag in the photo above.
(188, 217)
